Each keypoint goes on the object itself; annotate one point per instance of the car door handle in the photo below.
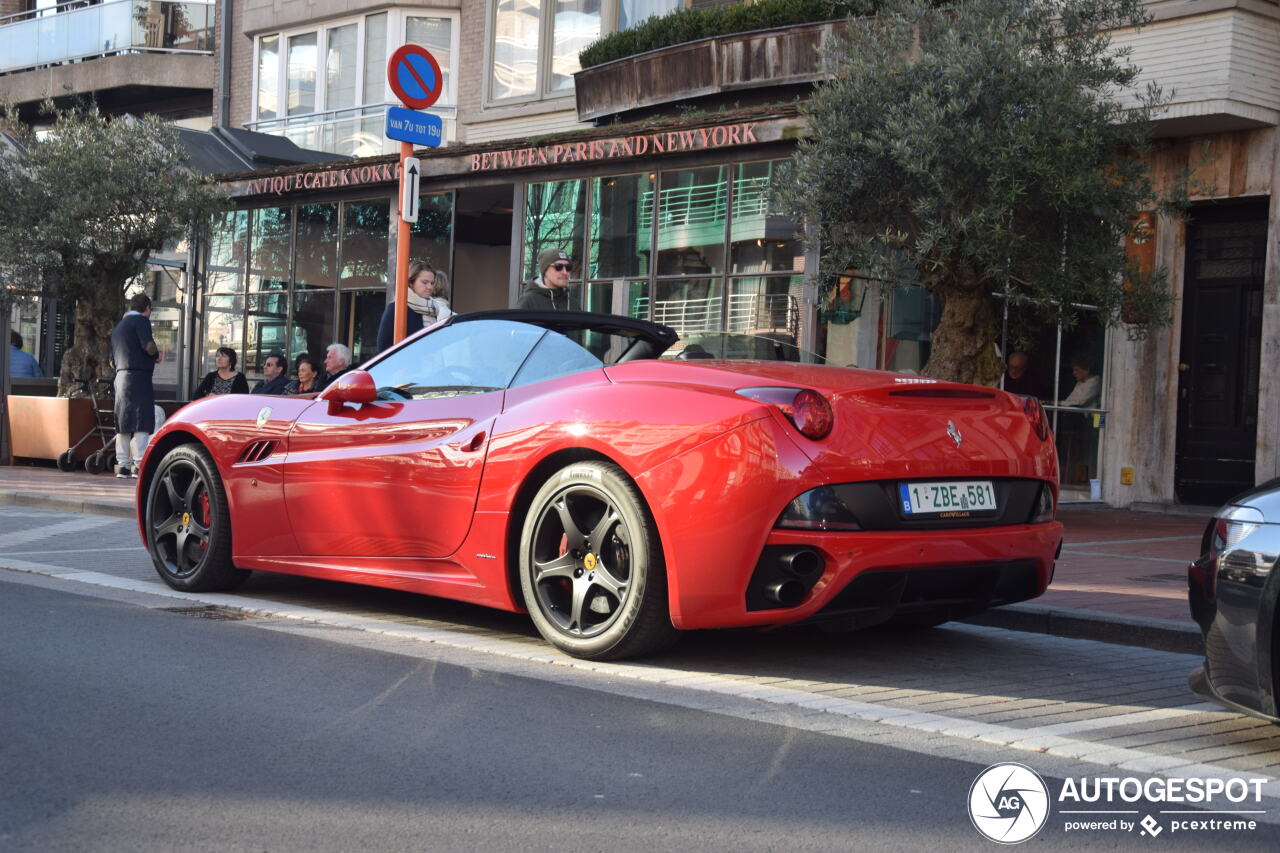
(476, 442)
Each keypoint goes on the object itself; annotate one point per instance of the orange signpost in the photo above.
(415, 77)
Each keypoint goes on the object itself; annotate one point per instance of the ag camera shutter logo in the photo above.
(1008, 803)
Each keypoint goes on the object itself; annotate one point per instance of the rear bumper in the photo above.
(870, 576)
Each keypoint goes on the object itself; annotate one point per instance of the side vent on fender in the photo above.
(256, 451)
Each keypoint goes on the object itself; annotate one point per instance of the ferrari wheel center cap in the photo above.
(589, 561)
(186, 519)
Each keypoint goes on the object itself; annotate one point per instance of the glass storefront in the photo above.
(1064, 369)
(293, 279)
(699, 250)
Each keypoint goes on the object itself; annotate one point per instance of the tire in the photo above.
(67, 460)
(591, 566)
(95, 464)
(188, 525)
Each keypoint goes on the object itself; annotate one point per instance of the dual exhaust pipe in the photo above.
(800, 569)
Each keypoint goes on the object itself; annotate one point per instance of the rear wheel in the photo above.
(591, 566)
(188, 525)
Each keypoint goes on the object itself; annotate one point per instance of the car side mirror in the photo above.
(354, 386)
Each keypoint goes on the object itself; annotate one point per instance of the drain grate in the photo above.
(211, 611)
(1171, 577)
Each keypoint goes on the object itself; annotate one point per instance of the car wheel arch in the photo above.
(533, 481)
(162, 447)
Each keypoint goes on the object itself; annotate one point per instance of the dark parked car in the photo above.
(1233, 589)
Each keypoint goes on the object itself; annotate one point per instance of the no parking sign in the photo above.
(415, 76)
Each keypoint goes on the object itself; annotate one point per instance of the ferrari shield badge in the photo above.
(263, 414)
(951, 431)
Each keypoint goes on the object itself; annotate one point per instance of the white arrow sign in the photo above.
(409, 189)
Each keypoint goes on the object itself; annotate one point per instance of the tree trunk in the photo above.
(97, 313)
(964, 344)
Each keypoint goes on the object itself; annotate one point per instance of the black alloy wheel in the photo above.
(591, 566)
(187, 523)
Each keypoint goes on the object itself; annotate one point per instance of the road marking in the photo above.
(1072, 552)
(35, 534)
(139, 547)
(1154, 715)
(656, 683)
(1131, 541)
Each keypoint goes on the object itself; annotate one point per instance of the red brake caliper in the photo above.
(204, 517)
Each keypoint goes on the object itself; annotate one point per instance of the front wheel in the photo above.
(188, 525)
(591, 566)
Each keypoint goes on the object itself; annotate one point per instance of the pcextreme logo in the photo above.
(1008, 803)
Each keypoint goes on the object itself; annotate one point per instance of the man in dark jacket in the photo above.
(275, 369)
(550, 290)
(134, 352)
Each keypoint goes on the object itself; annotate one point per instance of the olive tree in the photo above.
(85, 204)
(980, 149)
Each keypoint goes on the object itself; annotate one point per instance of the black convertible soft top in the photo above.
(650, 340)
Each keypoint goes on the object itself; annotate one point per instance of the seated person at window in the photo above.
(309, 377)
(275, 368)
(225, 379)
(337, 361)
(1087, 393)
(1018, 379)
(21, 363)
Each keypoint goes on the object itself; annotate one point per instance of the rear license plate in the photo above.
(960, 497)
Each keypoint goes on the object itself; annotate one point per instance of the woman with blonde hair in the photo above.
(426, 307)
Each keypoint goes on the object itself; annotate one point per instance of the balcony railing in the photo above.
(353, 131)
(83, 30)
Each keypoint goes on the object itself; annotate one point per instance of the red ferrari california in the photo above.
(568, 465)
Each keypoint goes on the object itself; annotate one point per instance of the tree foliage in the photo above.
(982, 147)
(85, 205)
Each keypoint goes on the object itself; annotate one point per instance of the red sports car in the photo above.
(555, 462)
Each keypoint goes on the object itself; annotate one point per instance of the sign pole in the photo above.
(402, 255)
(415, 77)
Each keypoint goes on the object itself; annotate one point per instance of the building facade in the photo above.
(654, 173)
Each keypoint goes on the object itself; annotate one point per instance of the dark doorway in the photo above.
(1221, 349)
(482, 248)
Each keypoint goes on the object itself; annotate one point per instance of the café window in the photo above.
(534, 44)
(1063, 367)
(295, 278)
(702, 250)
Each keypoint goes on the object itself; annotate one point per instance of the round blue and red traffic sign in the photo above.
(415, 76)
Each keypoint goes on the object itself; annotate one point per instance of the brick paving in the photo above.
(1122, 562)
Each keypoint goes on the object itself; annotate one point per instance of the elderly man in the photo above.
(337, 361)
(549, 291)
(274, 367)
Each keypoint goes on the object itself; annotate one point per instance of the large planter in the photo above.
(759, 60)
(45, 427)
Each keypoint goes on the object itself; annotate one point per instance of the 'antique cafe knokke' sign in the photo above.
(592, 150)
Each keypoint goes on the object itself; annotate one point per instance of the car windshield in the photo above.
(740, 346)
(490, 355)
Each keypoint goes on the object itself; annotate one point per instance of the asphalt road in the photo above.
(133, 728)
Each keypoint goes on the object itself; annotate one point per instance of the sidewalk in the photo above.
(1121, 578)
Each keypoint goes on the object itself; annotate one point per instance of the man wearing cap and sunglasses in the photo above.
(550, 290)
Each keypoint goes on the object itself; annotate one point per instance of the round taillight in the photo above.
(811, 413)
